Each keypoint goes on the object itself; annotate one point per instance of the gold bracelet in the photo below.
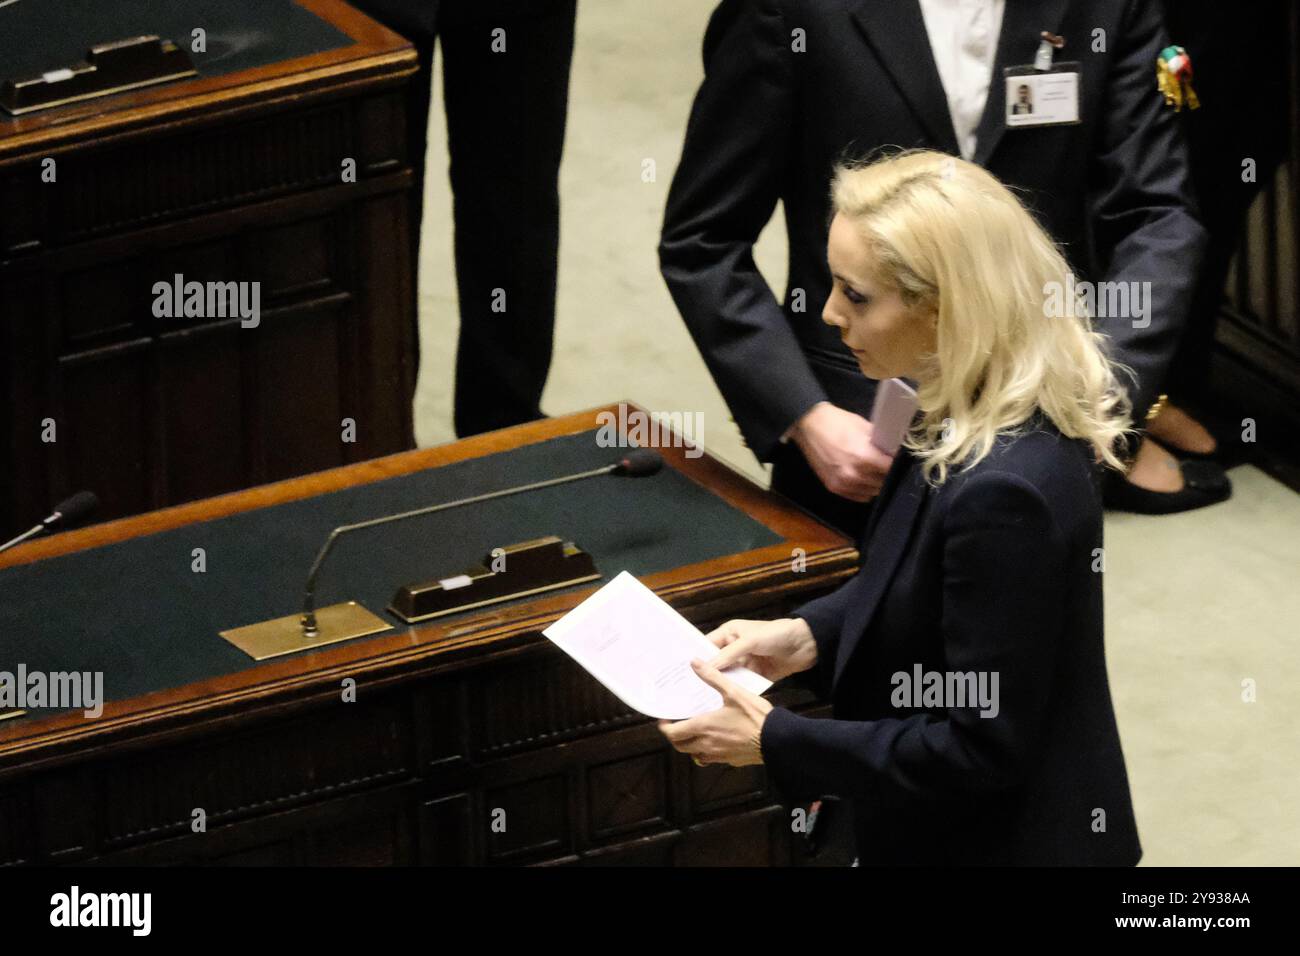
(1157, 408)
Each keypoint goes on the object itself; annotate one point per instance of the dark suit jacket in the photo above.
(769, 123)
(990, 572)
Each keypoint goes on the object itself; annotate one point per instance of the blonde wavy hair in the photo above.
(950, 237)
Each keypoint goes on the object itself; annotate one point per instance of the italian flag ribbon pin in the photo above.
(1174, 78)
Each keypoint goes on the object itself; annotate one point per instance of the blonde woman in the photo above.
(972, 721)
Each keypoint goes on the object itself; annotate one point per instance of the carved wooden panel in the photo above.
(446, 831)
(337, 748)
(127, 186)
(369, 828)
(715, 788)
(527, 819)
(760, 838)
(158, 411)
(627, 795)
(545, 700)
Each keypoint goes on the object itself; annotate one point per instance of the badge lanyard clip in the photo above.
(1046, 49)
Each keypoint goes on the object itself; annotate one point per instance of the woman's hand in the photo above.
(774, 649)
(731, 734)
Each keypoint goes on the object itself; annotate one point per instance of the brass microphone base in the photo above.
(283, 635)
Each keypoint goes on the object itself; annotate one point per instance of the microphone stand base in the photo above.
(283, 635)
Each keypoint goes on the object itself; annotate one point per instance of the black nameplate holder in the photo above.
(108, 68)
(527, 568)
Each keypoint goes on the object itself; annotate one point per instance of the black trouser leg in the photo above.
(506, 116)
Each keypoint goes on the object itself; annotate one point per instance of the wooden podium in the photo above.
(457, 722)
(226, 177)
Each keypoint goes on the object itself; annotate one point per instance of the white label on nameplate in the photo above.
(459, 581)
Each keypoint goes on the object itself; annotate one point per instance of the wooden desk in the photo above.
(453, 719)
(230, 176)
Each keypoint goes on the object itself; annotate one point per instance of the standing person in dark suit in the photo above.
(506, 91)
(972, 720)
(1242, 63)
(792, 86)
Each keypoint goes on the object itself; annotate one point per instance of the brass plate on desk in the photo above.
(283, 635)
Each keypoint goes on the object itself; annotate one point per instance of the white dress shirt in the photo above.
(964, 39)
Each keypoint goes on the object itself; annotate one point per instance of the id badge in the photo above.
(1042, 97)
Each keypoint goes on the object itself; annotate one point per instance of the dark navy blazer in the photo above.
(992, 571)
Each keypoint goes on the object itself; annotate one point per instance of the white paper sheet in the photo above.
(634, 643)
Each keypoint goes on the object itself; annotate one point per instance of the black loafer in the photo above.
(1204, 483)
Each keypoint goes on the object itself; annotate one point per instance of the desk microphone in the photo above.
(637, 463)
(69, 512)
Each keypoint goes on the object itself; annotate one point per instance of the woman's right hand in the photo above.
(774, 649)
